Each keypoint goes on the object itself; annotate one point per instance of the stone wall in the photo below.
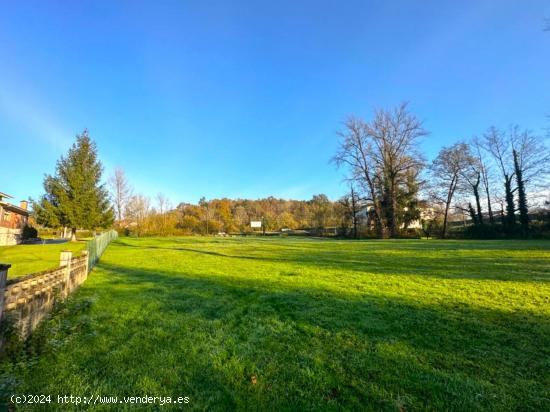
(28, 299)
(9, 236)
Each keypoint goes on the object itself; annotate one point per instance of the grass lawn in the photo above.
(304, 324)
(26, 259)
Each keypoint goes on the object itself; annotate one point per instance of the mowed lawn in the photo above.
(306, 324)
(26, 259)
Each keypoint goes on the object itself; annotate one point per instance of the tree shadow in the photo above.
(481, 267)
(311, 349)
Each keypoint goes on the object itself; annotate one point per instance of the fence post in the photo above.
(65, 261)
(3, 277)
(85, 253)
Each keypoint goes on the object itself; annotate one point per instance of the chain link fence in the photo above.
(97, 246)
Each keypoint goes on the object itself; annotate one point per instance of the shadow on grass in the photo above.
(310, 349)
(488, 267)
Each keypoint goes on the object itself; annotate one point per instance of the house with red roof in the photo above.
(12, 220)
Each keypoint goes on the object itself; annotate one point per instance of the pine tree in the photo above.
(75, 196)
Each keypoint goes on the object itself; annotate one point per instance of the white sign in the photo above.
(256, 223)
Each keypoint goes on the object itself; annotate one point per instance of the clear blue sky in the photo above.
(243, 98)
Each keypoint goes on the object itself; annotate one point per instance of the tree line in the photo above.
(495, 179)
(143, 216)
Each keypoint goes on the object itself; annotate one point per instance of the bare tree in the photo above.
(356, 151)
(354, 208)
(138, 209)
(164, 207)
(498, 144)
(531, 158)
(351, 206)
(447, 170)
(484, 170)
(120, 191)
(472, 177)
(522, 157)
(396, 135)
(163, 203)
(205, 206)
(381, 154)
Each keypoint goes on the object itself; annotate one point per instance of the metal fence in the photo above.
(97, 246)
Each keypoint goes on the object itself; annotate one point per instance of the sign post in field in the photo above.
(258, 224)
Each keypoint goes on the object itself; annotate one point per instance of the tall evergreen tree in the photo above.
(522, 196)
(75, 196)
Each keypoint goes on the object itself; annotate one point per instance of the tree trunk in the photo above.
(393, 210)
(444, 229)
(490, 209)
(73, 234)
(450, 194)
(473, 214)
(478, 201)
(522, 197)
(354, 213)
(378, 223)
(510, 207)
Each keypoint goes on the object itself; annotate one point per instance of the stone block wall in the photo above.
(9, 236)
(28, 299)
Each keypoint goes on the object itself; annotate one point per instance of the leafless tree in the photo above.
(484, 170)
(357, 152)
(396, 135)
(522, 156)
(164, 207)
(351, 204)
(533, 157)
(354, 209)
(381, 154)
(447, 171)
(498, 144)
(120, 191)
(205, 206)
(138, 209)
(163, 203)
(472, 178)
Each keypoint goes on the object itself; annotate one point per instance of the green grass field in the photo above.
(304, 324)
(26, 259)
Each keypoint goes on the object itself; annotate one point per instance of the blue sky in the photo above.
(243, 98)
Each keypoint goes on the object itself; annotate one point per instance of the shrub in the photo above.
(486, 231)
(29, 232)
(410, 233)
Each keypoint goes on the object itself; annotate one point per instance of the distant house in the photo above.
(427, 212)
(12, 220)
